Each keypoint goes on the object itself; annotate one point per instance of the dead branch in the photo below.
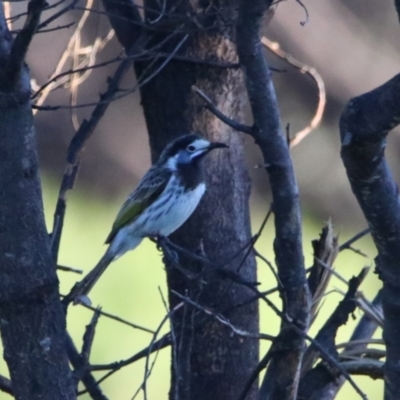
(19, 48)
(364, 126)
(313, 73)
(87, 378)
(325, 252)
(281, 379)
(5, 385)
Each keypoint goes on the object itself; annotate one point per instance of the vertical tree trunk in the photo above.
(209, 362)
(32, 321)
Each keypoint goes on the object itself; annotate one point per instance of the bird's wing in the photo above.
(150, 187)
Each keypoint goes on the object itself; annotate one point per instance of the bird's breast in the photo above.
(174, 206)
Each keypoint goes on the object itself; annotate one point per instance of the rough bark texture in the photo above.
(208, 360)
(364, 125)
(32, 321)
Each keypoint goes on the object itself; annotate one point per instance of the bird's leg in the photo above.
(159, 240)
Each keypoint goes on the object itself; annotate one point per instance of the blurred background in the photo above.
(353, 44)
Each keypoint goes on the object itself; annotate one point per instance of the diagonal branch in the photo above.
(326, 382)
(228, 121)
(364, 126)
(75, 149)
(326, 336)
(5, 385)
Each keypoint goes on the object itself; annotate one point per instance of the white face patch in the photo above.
(200, 145)
(172, 163)
(186, 155)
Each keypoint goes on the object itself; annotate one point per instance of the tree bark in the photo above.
(208, 361)
(32, 321)
(364, 125)
(283, 373)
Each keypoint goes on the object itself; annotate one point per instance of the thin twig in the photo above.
(163, 342)
(223, 320)
(347, 245)
(323, 352)
(228, 121)
(302, 23)
(88, 337)
(69, 269)
(58, 13)
(119, 319)
(147, 370)
(56, 28)
(74, 153)
(105, 102)
(304, 69)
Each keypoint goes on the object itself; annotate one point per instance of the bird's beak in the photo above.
(216, 145)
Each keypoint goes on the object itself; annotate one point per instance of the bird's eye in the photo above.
(191, 148)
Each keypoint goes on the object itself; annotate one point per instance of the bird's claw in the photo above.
(82, 299)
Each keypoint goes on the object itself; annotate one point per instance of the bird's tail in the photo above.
(79, 293)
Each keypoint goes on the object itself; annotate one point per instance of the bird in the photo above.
(165, 198)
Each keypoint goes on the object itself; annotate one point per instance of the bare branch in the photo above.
(155, 345)
(87, 379)
(282, 345)
(347, 245)
(302, 23)
(58, 13)
(163, 342)
(88, 337)
(142, 80)
(220, 318)
(326, 336)
(325, 252)
(21, 43)
(313, 73)
(364, 366)
(56, 28)
(282, 377)
(69, 269)
(5, 385)
(118, 319)
(230, 122)
(364, 126)
(75, 150)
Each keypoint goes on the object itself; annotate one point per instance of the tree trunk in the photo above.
(208, 360)
(32, 321)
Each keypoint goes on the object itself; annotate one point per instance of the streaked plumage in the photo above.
(165, 198)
